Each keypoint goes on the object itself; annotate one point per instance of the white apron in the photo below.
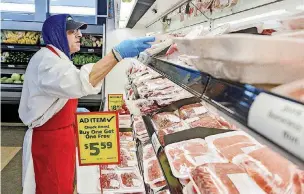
(28, 174)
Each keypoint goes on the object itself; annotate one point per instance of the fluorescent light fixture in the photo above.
(126, 9)
(300, 7)
(258, 17)
(73, 10)
(19, 7)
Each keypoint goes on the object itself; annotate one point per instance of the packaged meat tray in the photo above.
(128, 159)
(152, 171)
(169, 130)
(223, 178)
(231, 144)
(273, 173)
(192, 110)
(128, 145)
(189, 189)
(185, 155)
(148, 152)
(220, 4)
(166, 191)
(158, 186)
(294, 90)
(126, 136)
(139, 127)
(165, 119)
(231, 57)
(125, 181)
(206, 120)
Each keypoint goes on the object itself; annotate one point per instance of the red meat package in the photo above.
(165, 119)
(126, 136)
(139, 127)
(169, 130)
(158, 185)
(128, 159)
(148, 152)
(185, 155)
(109, 180)
(231, 144)
(207, 120)
(273, 173)
(192, 110)
(130, 179)
(223, 178)
(152, 171)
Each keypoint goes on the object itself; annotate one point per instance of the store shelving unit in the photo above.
(11, 92)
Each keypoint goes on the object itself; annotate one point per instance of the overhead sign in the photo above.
(115, 102)
(98, 138)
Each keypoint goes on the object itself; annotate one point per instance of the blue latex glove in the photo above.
(82, 110)
(132, 47)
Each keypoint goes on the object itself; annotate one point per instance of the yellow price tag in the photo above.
(98, 138)
(115, 102)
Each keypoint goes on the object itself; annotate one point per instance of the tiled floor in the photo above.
(11, 159)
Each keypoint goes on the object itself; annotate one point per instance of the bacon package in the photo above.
(223, 178)
(231, 144)
(185, 155)
(192, 110)
(273, 173)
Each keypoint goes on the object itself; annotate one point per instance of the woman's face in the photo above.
(74, 40)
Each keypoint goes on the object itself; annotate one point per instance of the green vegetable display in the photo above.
(16, 57)
(14, 79)
(91, 41)
(81, 59)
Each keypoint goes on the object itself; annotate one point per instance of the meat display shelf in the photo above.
(34, 48)
(244, 103)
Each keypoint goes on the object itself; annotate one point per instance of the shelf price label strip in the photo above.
(115, 102)
(280, 120)
(98, 138)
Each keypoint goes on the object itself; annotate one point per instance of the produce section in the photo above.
(19, 37)
(15, 78)
(81, 59)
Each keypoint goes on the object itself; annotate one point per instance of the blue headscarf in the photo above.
(54, 32)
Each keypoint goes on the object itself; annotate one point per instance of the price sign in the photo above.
(115, 102)
(98, 138)
(91, 50)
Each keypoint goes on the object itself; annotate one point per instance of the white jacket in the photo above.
(49, 82)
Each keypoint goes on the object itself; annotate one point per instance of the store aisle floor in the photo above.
(11, 159)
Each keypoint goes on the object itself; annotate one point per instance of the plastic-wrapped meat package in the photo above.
(169, 130)
(107, 167)
(232, 144)
(165, 119)
(145, 106)
(223, 178)
(172, 90)
(166, 191)
(148, 152)
(140, 127)
(129, 145)
(273, 173)
(184, 155)
(158, 185)
(207, 120)
(220, 4)
(127, 159)
(159, 86)
(192, 110)
(168, 99)
(206, 4)
(152, 171)
(130, 179)
(142, 79)
(171, 50)
(126, 136)
(109, 180)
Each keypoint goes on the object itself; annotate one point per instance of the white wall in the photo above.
(117, 79)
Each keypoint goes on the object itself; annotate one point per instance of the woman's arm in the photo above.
(102, 68)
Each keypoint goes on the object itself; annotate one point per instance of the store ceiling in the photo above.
(141, 7)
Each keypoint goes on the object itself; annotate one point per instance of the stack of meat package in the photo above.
(125, 177)
(186, 117)
(140, 129)
(153, 174)
(153, 90)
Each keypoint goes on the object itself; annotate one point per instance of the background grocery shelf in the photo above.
(19, 47)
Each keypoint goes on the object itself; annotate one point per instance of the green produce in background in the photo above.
(16, 76)
(16, 57)
(91, 41)
(14, 79)
(81, 59)
(22, 77)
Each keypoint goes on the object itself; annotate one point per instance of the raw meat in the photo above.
(191, 110)
(148, 152)
(224, 142)
(169, 130)
(164, 192)
(128, 159)
(273, 173)
(297, 94)
(220, 4)
(174, 153)
(109, 181)
(207, 121)
(107, 167)
(130, 180)
(152, 171)
(158, 184)
(126, 136)
(140, 127)
(230, 152)
(220, 178)
(182, 165)
(165, 119)
(205, 4)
